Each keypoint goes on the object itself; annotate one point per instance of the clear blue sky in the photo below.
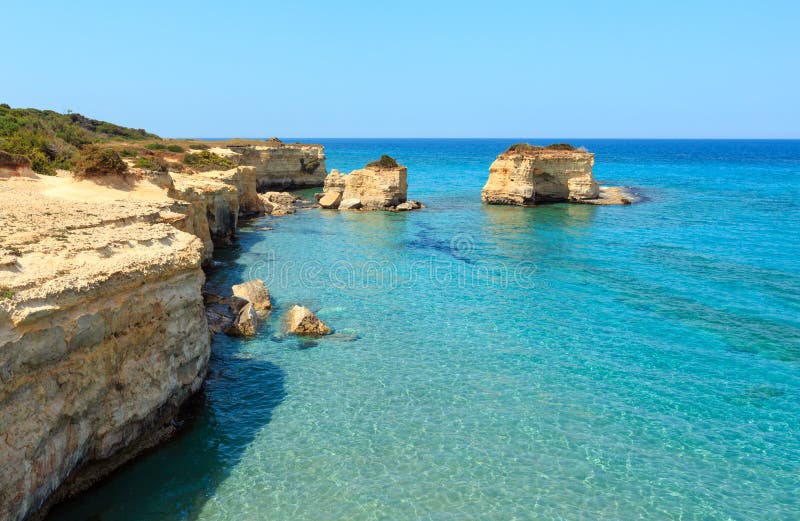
(412, 68)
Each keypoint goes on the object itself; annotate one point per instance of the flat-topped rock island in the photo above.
(527, 175)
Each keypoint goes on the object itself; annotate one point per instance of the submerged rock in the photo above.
(254, 291)
(302, 321)
(613, 195)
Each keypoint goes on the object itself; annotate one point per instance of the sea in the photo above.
(560, 362)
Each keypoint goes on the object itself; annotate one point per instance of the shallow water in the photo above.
(560, 362)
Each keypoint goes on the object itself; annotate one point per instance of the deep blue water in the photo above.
(559, 362)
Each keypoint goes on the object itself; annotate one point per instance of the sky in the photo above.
(298, 68)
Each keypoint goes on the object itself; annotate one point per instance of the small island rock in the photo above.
(380, 185)
(303, 321)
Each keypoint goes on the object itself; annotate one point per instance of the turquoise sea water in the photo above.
(497, 363)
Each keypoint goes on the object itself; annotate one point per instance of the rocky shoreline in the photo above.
(102, 322)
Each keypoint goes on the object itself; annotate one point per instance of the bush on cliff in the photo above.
(384, 162)
(155, 146)
(152, 163)
(204, 160)
(6, 293)
(94, 161)
(175, 148)
(527, 147)
(51, 140)
(561, 146)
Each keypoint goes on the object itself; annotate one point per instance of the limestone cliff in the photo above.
(102, 331)
(281, 165)
(525, 175)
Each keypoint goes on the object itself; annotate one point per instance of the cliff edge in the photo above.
(102, 330)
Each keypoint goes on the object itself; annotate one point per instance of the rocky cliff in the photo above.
(281, 165)
(102, 330)
(103, 333)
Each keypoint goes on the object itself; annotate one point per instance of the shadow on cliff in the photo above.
(177, 479)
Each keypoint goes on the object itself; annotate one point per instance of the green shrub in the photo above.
(523, 147)
(153, 163)
(52, 140)
(37, 147)
(527, 147)
(94, 160)
(6, 293)
(156, 146)
(560, 146)
(129, 152)
(175, 148)
(205, 160)
(384, 162)
(198, 146)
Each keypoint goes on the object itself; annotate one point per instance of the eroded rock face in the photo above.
(282, 165)
(528, 175)
(13, 165)
(215, 199)
(377, 187)
(302, 321)
(371, 188)
(102, 332)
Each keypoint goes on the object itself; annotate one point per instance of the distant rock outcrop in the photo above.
(381, 185)
(280, 165)
(526, 175)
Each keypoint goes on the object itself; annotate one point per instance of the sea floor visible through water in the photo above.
(498, 363)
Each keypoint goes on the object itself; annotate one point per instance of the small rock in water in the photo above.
(330, 200)
(350, 204)
(302, 321)
(246, 322)
(254, 291)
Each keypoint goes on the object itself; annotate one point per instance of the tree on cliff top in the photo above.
(384, 162)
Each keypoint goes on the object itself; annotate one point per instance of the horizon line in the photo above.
(511, 138)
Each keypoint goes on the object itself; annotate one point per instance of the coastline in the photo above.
(135, 247)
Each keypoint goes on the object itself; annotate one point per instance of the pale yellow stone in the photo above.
(529, 176)
(302, 321)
